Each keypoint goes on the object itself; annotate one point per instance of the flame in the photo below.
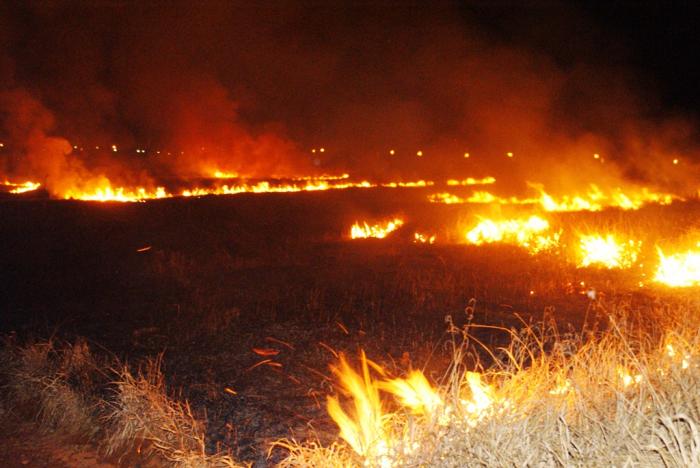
(363, 426)
(118, 194)
(627, 379)
(482, 397)
(21, 187)
(608, 251)
(420, 238)
(595, 199)
(472, 181)
(379, 231)
(679, 270)
(528, 233)
(414, 392)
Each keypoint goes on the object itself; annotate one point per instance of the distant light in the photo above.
(157, 152)
(75, 146)
(509, 154)
(322, 150)
(419, 153)
(675, 161)
(466, 155)
(392, 152)
(97, 147)
(532, 293)
(114, 148)
(2, 145)
(313, 150)
(596, 156)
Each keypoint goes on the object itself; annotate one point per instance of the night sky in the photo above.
(252, 87)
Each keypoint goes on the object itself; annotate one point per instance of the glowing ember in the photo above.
(679, 270)
(529, 233)
(379, 231)
(419, 238)
(21, 187)
(608, 251)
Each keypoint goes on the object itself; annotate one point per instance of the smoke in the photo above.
(251, 90)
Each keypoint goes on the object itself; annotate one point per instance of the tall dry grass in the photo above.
(623, 396)
(141, 414)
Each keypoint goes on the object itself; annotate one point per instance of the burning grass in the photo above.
(623, 396)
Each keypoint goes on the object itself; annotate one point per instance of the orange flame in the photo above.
(608, 251)
(21, 187)
(379, 231)
(529, 233)
(679, 270)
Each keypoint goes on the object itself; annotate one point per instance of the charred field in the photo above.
(244, 301)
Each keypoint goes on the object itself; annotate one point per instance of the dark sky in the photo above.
(253, 86)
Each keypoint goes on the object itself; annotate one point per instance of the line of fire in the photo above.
(333, 234)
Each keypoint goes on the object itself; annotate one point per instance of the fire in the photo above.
(595, 199)
(21, 187)
(679, 270)
(379, 231)
(420, 238)
(472, 181)
(363, 427)
(608, 251)
(529, 233)
(627, 378)
(119, 194)
(414, 392)
(482, 397)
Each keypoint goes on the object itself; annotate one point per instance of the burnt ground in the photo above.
(248, 298)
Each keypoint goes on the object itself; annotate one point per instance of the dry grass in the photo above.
(143, 415)
(52, 383)
(62, 387)
(626, 396)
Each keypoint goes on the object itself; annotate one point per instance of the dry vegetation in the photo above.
(62, 387)
(626, 396)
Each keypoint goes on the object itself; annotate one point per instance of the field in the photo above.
(238, 305)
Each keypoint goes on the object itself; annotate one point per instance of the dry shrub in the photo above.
(626, 396)
(53, 383)
(143, 415)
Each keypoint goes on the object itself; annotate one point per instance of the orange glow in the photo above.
(679, 270)
(608, 251)
(419, 238)
(21, 187)
(531, 233)
(378, 231)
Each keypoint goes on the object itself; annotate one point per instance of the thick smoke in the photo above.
(251, 90)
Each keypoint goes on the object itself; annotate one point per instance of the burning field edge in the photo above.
(621, 392)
